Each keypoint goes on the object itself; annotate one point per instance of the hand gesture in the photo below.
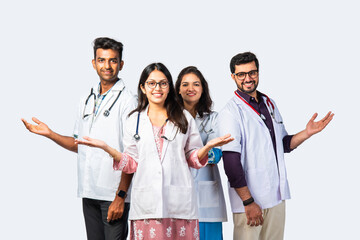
(41, 128)
(313, 127)
(91, 142)
(220, 141)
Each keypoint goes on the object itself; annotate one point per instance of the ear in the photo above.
(121, 65)
(233, 77)
(142, 89)
(94, 63)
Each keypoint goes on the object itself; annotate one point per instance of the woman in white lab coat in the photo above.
(193, 94)
(161, 141)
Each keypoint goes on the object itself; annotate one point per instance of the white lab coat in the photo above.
(207, 180)
(267, 184)
(162, 188)
(96, 177)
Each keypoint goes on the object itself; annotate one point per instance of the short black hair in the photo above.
(243, 58)
(108, 43)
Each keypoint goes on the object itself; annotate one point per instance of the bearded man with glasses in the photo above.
(254, 161)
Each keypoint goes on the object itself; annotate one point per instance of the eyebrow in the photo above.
(106, 58)
(159, 80)
(193, 82)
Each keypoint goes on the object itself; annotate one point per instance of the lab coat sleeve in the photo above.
(228, 123)
(129, 105)
(193, 141)
(279, 119)
(128, 163)
(78, 119)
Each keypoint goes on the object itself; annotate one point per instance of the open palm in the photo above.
(91, 142)
(313, 127)
(220, 141)
(41, 128)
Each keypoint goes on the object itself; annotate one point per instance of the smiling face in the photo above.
(107, 64)
(190, 89)
(158, 94)
(247, 85)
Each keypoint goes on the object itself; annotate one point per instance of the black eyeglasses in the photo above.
(153, 84)
(242, 75)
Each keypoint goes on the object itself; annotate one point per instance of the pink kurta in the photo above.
(163, 228)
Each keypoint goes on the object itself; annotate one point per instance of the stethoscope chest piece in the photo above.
(137, 137)
(106, 113)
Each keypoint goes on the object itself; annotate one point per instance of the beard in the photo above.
(247, 90)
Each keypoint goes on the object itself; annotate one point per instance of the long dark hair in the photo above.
(173, 108)
(205, 102)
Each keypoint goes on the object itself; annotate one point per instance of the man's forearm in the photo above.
(243, 192)
(298, 139)
(64, 141)
(125, 181)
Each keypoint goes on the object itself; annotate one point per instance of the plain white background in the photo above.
(308, 52)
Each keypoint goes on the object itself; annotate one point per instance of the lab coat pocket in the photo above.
(142, 200)
(108, 178)
(179, 200)
(258, 182)
(208, 194)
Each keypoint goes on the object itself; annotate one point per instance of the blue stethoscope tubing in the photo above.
(136, 135)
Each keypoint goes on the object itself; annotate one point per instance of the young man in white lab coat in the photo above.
(101, 115)
(254, 161)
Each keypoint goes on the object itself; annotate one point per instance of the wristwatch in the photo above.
(121, 194)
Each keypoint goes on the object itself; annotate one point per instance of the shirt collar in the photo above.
(118, 86)
(248, 98)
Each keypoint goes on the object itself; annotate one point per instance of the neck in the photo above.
(157, 114)
(156, 109)
(106, 85)
(190, 107)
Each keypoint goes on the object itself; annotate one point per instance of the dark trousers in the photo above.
(97, 227)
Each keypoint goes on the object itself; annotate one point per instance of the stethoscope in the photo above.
(106, 112)
(268, 102)
(203, 125)
(137, 136)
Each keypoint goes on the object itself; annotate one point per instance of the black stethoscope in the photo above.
(203, 125)
(268, 102)
(106, 112)
(137, 136)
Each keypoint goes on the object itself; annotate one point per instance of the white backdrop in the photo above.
(308, 52)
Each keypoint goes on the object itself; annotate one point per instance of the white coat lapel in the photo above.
(105, 102)
(249, 111)
(146, 133)
(110, 97)
(170, 132)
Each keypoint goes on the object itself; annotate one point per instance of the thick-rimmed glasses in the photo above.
(152, 84)
(242, 75)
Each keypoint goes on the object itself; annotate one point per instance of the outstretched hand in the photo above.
(91, 142)
(220, 141)
(41, 128)
(313, 127)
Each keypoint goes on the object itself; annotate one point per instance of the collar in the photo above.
(249, 98)
(118, 86)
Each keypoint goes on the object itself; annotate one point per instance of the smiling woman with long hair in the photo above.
(161, 141)
(193, 94)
